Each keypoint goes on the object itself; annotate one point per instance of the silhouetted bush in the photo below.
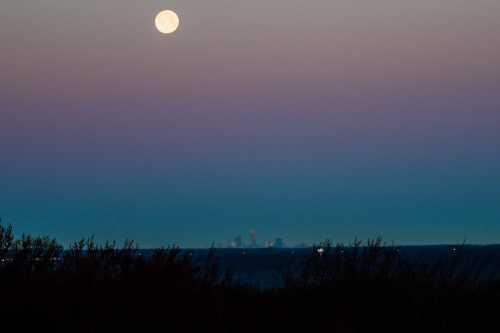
(90, 287)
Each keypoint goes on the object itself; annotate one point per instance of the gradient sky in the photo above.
(300, 119)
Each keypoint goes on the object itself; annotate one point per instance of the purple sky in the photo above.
(300, 119)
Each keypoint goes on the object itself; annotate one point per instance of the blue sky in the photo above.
(325, 119)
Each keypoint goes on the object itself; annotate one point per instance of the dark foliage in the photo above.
(358, 288)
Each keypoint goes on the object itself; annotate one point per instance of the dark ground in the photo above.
(366, 287)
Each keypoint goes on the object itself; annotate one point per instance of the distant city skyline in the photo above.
(240, 242)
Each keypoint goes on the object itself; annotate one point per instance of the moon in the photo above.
(167, 21)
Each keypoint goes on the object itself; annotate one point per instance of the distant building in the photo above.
(253, 239)
(237, 242)
(279, 243)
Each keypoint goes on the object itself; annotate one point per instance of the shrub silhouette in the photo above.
(90, 287)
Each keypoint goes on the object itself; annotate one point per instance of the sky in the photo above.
(304, 120)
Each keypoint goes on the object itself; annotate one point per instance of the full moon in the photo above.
(167, 21)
